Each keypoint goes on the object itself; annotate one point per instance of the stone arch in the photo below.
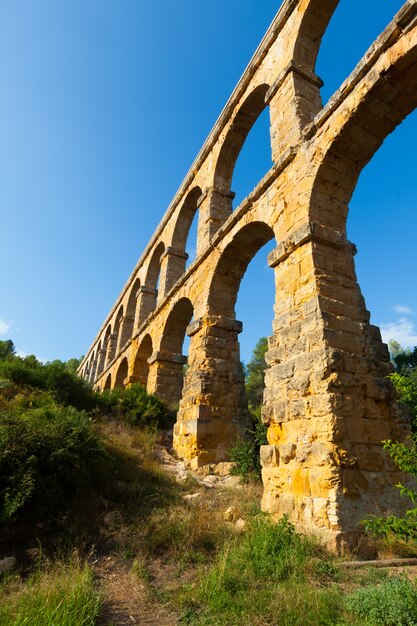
(168, 363)
(391, 95)
(176, 254)
(148, 293)
(315, 21)
(185, 218)
(112, 344)
(107, 384)
(154, 267)
(121, 374)
(232, 265)
(96, 358)
(128, 324)
(174, 331)
(102, 358)
(235, 138)
(141, 365)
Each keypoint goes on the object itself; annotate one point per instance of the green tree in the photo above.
(404, 456)
(255, 378)
(405, 361)
(72, 365)
(7, 349)
(245, 452)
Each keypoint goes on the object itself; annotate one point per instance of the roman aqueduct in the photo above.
(327, 401)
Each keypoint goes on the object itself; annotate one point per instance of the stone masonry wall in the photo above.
(327, 402)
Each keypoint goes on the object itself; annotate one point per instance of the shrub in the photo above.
(66, 387)
(405, 458)
(392, 603)
(136, 407)
(245, 452)
(47, 455)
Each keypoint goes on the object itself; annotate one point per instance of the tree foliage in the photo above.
(7, 349)
(49, 449)
(255, 375)
(404, 456)
(245, 452)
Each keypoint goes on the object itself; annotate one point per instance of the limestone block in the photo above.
(269, 456)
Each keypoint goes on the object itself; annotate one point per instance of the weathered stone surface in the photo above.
(231, 514)
(327, 402)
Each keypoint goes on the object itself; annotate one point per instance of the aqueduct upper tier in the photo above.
(327, 401)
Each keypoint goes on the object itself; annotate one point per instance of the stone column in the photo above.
(172, 268)
(327, 402)
(213, 410)
(125, 333)
(111, 348)
(294, 99)
(165, 376)
(101, 361)
(146, 304)
(215, 207)
(93, 370)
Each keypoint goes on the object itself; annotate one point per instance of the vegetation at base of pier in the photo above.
(404, 456)
(245, 452)
(103, 534)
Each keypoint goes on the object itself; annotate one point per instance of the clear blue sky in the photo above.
(104, 106)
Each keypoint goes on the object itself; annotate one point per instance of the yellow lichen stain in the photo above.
(300, 483)
(275, 434)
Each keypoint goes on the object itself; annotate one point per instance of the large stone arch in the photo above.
(167, 364)
(101, 359)
(388, 95)
(175, 256)
(148, 293)
(107, 384)
(121, 374)
(128, 323)
(217, 206)
(113, 337)
(232, 144)
(140, 364)
(214, 411)
(232, 266)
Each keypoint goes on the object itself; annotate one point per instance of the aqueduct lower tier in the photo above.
(327, 402)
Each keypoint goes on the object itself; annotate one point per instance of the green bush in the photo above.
(66, 387)
(392, 603)
(405, 458)
(136, 407)
(47, 455)
(246, 453)
(406, 386)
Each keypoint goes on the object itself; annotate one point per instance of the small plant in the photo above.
(405, 458)
(245, 453)
(392, 603)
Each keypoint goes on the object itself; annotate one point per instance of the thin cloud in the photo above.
(5, 327)
(402, 331)
(403, 310)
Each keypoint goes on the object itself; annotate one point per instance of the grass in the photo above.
(60, 595)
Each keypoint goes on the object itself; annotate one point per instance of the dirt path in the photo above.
(128, 600)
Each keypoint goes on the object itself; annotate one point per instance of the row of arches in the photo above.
(168, 261)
